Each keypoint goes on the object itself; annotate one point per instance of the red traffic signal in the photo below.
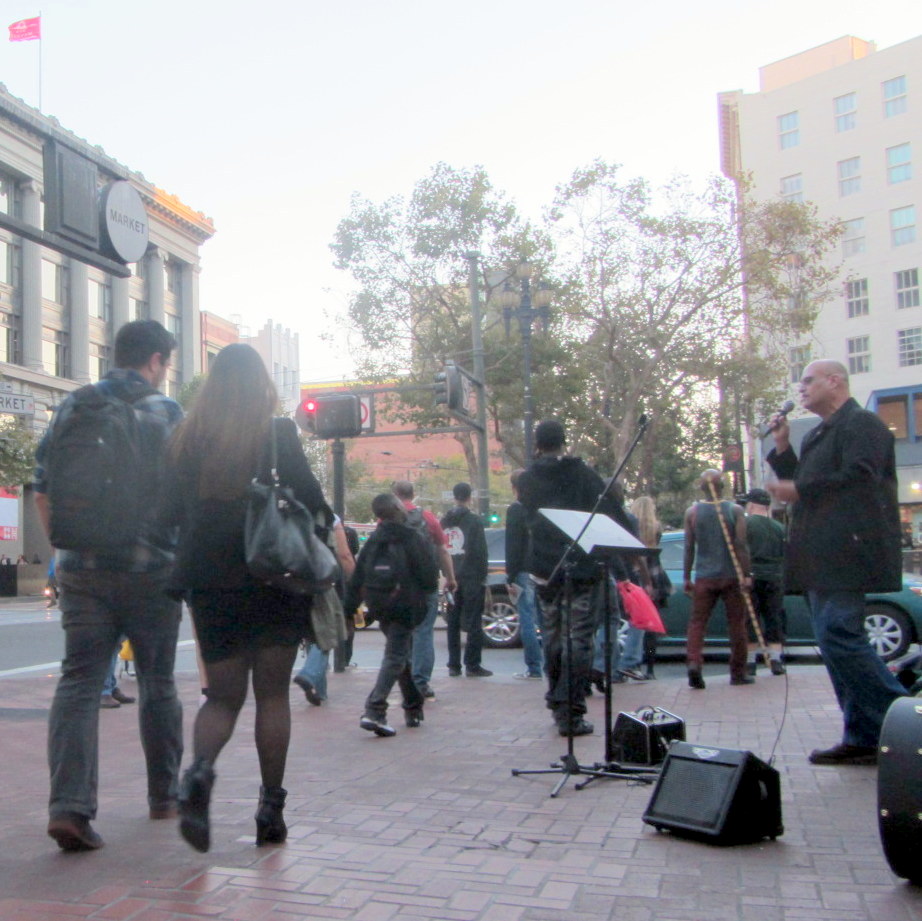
(334, 415)
(306, 414)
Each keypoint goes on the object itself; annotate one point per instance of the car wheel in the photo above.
(500, 621)
(888, 630)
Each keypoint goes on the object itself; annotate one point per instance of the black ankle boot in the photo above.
(270, 824)
(413, 716)
(194, 797)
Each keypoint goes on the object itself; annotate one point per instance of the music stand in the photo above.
(599, 535)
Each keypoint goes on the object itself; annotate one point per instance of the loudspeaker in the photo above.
(718, 795)
(643, 737)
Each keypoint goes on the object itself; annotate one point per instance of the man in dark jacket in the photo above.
(555, 480)
(467, 545)
(844, 541)
(520, 585)
(405, 572)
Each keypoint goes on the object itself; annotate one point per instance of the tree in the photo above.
(668, 292)
(17, 454)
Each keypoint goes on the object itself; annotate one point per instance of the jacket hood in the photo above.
(556, 469)
(455, 516)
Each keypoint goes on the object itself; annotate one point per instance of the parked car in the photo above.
(893, 620)
(500, 617)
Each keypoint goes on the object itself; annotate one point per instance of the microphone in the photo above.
(786, 407)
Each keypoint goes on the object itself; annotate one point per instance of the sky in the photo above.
(268, 119)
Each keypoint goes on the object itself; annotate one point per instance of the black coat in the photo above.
(845, 529)
(467, 545)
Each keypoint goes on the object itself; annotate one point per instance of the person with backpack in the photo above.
(394, 574)
(98, 483)
(467, 545)
(423, 657)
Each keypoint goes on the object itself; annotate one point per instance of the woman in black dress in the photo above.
(243, 626)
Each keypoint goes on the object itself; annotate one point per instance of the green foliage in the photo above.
(17, 454)
(188, 391)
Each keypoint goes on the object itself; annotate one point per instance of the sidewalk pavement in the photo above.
(431, 824)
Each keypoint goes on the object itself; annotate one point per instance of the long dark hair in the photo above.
(225, 432)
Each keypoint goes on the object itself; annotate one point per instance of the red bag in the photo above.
(639, 608)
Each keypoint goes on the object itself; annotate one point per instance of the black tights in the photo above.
(227, 691)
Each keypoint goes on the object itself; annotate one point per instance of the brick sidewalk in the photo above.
(431, 824)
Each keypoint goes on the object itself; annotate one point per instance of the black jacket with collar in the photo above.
(845, 527)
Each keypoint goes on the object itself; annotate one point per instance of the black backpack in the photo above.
(96, 473)
(388, 583)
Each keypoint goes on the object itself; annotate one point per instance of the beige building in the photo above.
(839, 126)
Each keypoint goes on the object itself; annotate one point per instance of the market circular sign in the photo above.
(123, 220)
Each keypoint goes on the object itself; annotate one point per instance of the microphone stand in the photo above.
(568, 764)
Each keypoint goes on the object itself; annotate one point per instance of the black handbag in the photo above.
(280, 543)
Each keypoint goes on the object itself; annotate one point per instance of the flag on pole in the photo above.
(26, 30)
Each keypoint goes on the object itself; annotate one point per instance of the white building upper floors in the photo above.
(840, 126)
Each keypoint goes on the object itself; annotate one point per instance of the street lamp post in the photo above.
(526, 308)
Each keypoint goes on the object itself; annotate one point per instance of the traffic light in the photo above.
(449, 387)
(306, 414)
(495, 518)
(333, 415)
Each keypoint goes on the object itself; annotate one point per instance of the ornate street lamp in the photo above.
(526, 308)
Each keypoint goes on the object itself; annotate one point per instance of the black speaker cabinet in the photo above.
(899, 787)
(718, 795)
(643, 737)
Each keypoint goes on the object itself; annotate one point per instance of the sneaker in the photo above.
(777, 667)
(310, 692)
(414, 717)
(454, 671)
(579, 727)
(742, 679)
(695, 680)
(73, 832)
(478, 671)
(528, 675)
(751, 668)
(121, 697)
(378, 726)
(844, 754)
(108, 702)
(634, 673)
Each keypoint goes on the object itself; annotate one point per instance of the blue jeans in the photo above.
(96, 609)
(598, 649)
(395, 667)
(314, 670)
(632, 653)
(422, 660)
(111, 682)
(863, 685)
(528, 625)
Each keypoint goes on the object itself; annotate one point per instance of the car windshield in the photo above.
(496, 545)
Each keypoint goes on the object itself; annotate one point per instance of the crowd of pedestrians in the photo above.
(137, 537)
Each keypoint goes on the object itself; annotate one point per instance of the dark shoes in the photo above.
(73, 832)
(742, 679)
(844, 754)
(578, 727)
(478, 671)
(377, 725)
(777, 667)
(427, 692)
(270, 824)
(454, 671)
(194, 798)
(413, 717)
(108, 702)
(751, 668)
(121, 697)
(310, 692)
(695, 679)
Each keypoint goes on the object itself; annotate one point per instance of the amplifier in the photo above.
(642, 737)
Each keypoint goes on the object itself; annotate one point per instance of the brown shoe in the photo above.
(121, 697)
(73, 832)
(108, 702)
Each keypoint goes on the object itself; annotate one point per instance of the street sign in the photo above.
(367, 402)
(16, 404)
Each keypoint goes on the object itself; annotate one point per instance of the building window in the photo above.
(99, 299)
(856, 297)
(893, 413)
(137, 309)
(903, 225)
(910, 346)
(845, 108)
(799, 358)
(51, 282)
(899, 163)
(849, 176)
(99, 361)
(6, 263)
(859, 354)
(8, 341)
(789, 130)
(170, 276)
(894, 96)
(54, 353)
(853, 237)
(907, 288)
(7, 195)
(792, 188)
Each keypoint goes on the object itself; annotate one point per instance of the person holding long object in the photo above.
(844, 541)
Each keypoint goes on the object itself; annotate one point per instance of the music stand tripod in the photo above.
(591, 531)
